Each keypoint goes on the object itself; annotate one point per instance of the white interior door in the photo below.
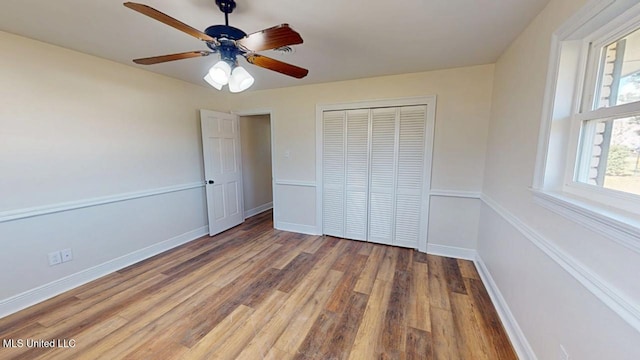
(222, 169)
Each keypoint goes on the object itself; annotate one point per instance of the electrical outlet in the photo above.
(66, 254)
(564, 355)
(55, 258)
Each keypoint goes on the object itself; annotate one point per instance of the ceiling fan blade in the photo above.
(271, 38)
(171, 57)
(164, 18)
(277, 65)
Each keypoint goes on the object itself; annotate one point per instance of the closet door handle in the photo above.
(211, 182)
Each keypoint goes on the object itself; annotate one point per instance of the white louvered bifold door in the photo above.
(333, 173)
(382, 175)
(357, 170)
(375, 172)
(409, 223)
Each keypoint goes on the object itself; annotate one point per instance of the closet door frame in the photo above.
(429, 101)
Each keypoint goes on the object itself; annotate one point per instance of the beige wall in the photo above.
(76, 128)
(463, 105)
(550, 305)
(255, 134)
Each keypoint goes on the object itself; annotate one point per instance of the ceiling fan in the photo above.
(229, 42)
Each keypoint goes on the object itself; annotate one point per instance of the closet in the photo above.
(376, 166)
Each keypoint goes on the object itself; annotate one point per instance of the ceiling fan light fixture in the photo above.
(220, 72)
(211, 82)
(240, 80)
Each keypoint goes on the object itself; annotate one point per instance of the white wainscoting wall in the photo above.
(105, 234)
(294, 206)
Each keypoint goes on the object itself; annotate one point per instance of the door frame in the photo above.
(429, 101)
(265, 111)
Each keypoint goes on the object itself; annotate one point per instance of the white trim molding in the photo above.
(618, 302)
(451, 251)
(456, 193)
(515, 333)
(47, 291)
(258, 209)
(296, 183)
(625, 231)
(85, 203)
(297, 228)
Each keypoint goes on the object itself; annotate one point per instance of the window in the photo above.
(609, 146)
(588, 164)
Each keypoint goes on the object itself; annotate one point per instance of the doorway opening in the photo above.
(257, 167)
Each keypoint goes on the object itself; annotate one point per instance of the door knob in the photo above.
(211, 182)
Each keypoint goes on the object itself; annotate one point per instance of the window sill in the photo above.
(618, 226)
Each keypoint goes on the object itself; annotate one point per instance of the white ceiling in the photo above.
(343, 39)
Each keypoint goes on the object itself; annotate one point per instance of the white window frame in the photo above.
(569, 100)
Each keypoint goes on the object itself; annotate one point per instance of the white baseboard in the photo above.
(298, 228)
(47, 291)
(257, 210)
(451, 251)
(517, 337)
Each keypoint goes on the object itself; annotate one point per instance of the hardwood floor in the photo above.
(258, 293)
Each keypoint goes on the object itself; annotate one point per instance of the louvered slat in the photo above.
(333, 175)
(411, 147)
(381, 192)
(357, 169)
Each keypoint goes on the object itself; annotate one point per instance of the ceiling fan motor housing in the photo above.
(226, 6)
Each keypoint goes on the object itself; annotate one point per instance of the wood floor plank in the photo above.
(312, 244)
(370, 270)
(171, 326)
(340, 296)
(444, 335)
(420, 257)
(405, 260)
(229, 272)
(346, 258)
(58, 316)
(254, 292)
(472, 343)
(338, 344)
(324, 324)
(468, 269)
(87, 338)
(394, 330)
(291, 249)
(438, 288)
(418, 315)
(277, 354)
(490, 322)
(367, 338)
(366, 248)
(419, 345)
(221, 333)
(453, 276)
(293, 336)
(388, 266)
(230, 348)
